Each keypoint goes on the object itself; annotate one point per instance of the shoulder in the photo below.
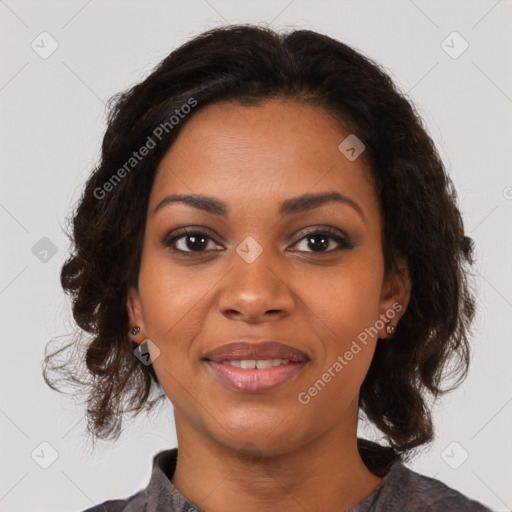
(135, 503)
(405, 489)
(108, 506)
(159, 493)
(409, 490)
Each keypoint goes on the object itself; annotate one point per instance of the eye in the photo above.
(322, 239)
(189, 240)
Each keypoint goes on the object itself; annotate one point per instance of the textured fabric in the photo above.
(401, 489)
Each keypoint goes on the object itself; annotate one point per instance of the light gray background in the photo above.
(52, 122)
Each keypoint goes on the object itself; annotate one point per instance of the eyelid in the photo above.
(343, 240)
(170, 238)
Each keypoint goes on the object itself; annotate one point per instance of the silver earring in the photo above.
(135, 330)
(390, 329)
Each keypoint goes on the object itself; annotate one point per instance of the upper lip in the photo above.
(239, 350)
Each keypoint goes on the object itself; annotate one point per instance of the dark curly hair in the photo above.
(421, 221)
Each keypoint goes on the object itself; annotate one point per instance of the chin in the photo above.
(261, 440)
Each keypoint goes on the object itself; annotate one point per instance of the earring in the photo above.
(135, 330)
(390, 329)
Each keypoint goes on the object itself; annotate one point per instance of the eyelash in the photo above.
(344, 243)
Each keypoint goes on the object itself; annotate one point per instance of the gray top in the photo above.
(401, 489)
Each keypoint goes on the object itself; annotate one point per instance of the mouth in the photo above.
(255, 367)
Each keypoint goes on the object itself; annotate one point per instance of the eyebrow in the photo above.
(289, 206)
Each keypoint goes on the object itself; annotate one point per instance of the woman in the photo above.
(271, 241)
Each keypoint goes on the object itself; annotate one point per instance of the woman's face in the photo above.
(264, 268)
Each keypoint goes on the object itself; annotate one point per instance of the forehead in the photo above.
(275, 149)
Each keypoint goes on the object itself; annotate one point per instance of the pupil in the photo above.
(197, 242)
(324, 241)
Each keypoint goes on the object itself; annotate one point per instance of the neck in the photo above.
(324, 475)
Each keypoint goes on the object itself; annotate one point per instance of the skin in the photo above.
(241, 451)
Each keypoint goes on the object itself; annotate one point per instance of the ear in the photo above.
(395, 295)
(134, 308)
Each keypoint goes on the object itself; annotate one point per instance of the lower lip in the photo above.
(253, 380)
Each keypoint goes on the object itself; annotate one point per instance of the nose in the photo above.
(256, 289)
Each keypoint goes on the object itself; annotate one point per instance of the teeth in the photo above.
(260, 364)
(263, 364)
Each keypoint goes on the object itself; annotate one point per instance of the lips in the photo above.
(263, 350)
(255, 367)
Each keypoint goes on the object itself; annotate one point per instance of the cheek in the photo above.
(165, 303)
(345, 305)
(348, 351)
(171, 296)
(346, 299)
